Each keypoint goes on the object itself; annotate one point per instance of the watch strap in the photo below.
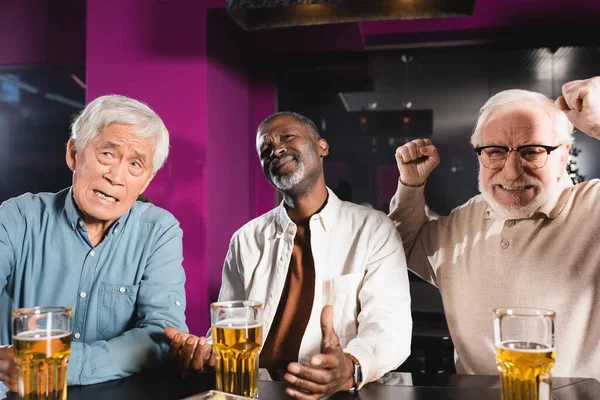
(357, 371)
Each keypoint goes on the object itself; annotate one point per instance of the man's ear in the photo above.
(70, 155)
(564, 157)
(323, 147)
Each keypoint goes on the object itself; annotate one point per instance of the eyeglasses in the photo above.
(531, 156)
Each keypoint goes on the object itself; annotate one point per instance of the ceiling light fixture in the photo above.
(261, 14)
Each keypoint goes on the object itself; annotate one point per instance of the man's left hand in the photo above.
(8, 368)
(581, 103)
(190, 351)
(329, 372)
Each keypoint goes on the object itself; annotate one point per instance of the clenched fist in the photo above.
(416, 160)
(580, 101)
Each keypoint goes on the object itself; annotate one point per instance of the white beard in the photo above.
(517, 210)
(288, 181)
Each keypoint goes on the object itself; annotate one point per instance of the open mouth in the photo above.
(105, 197)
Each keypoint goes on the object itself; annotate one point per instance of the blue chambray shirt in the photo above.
(124, 291)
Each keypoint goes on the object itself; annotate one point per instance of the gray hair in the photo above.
(298, 117)
(115, 109)
(563, 128)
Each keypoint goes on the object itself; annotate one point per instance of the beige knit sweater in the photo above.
(481, 262)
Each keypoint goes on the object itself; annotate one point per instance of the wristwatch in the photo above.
(357, 372)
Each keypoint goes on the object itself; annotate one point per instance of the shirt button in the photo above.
(92, 253)
(291, 229)
(82, 295)
(283, 258)
(178, 303)
(81, 224)
(271, 295)
(73, 225)
(116, 230)
(510, 222)
(504, 243)
(77, 335)
(121, 289)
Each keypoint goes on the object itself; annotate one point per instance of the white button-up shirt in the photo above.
(360, 270)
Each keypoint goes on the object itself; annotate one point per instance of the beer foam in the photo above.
(38, 334)
(540, 347)
(237, 323)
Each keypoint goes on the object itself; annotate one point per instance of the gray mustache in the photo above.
(521, 181)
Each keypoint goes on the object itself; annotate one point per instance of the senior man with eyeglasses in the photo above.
(529, 240)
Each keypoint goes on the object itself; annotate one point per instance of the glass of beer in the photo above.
(236, 340)
(524, 339)
(42, 346)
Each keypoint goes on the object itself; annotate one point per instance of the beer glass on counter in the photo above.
(236, 341)
(42, 346)
(524, 340)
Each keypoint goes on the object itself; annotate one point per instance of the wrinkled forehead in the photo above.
(278, 126)
(124, 138)
(517, 124)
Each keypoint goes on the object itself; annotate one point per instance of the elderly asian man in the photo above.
(529, 240)
(92, 247)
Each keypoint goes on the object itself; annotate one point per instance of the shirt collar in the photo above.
(552, 208)
(71, 211)
(326, 216)
(75, 219)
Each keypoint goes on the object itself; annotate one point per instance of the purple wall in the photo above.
(42, 32)
(238, 190)
(238, 100)
(229, 138)
(263, 104)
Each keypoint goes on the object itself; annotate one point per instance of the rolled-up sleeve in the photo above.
(384, 320)
(160, 303)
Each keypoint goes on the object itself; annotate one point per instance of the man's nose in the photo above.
(513, 167)
(278, 150)
(116, 173)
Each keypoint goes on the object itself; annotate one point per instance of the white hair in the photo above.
(116, 109)
(563, 128)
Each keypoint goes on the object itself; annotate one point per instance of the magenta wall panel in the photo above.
(42, 32)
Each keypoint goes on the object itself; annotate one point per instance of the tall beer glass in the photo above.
(42, 347)
(524, 339)
(236, 340)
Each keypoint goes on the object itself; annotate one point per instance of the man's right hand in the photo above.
(8, 368)
(416, 160)
(190, 351)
